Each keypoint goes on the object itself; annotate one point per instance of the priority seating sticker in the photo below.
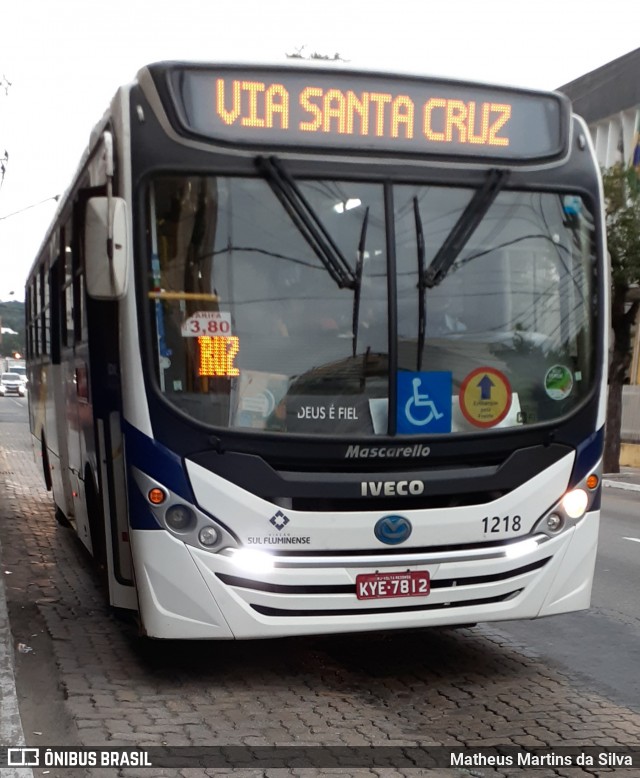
(485, 397)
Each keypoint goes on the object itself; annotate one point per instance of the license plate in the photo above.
(380, 586)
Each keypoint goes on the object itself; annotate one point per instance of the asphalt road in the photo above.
(618, 566)
(601, 646)
(13, 409)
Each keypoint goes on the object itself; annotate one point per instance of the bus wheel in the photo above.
(62, 520)
(96, 526)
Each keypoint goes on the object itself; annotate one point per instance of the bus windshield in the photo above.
(271, 302)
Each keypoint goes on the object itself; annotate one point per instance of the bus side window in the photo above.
(35, 300)
(29, 317)
(67, 303)
(44, 310)
(55, 318)
(75, 242)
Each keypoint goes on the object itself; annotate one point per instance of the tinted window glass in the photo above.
(252, 329)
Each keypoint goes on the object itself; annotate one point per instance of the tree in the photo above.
(12, 318)
(12, 344)
(622, 213)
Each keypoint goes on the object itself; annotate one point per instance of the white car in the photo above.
(11, 383)
(21, 371)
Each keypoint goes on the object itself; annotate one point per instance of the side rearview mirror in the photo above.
(106, 248)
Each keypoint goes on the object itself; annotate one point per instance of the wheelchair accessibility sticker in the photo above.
(424, 402)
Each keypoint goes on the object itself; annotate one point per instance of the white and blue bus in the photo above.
(314, 351)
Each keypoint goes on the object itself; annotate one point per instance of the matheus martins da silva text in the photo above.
(526, 759)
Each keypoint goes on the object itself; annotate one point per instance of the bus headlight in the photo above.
(253, 560)
(180, 518)
(522, 548)
(208, 536)
(554, 522)
(575, 503)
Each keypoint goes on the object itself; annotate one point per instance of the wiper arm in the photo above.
(358, 279)
(464, 228)
(422, 304)
(307, 221)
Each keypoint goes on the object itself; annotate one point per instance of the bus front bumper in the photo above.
(189, 593)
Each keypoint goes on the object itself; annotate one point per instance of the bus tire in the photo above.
(62, 520)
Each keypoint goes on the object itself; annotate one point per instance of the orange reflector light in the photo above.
(592, 481)
(156, 496)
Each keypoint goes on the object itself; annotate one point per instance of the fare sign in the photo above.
(367, 112)
(206, 323)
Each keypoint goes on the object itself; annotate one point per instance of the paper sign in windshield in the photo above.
(209, 323)
(260, 398)
(558, 382)
(485, 397)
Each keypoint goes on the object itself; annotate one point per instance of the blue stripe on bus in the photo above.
(588, 455)
(157, 461)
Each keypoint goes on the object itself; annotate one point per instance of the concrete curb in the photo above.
(11, 732)
(621, 485)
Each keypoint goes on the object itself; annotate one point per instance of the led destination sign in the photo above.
(362, 112)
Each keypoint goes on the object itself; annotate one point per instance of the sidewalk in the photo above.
(11, 731)
(628, 478)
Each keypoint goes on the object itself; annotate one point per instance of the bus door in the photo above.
(107, 409)
(59, 427)
(75, 422)
(103, 384)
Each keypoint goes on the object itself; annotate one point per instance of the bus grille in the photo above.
(394, 503)
(267, 611)
(440, 587)
(442, 583)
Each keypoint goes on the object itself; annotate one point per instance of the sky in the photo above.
(64, 59)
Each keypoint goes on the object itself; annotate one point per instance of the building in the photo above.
(608, 98)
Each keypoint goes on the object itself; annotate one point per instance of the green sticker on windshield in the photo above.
(558, 382)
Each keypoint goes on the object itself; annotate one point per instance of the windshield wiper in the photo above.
(358, 279)
(422, 304)
(307, 221)
(464, 228)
